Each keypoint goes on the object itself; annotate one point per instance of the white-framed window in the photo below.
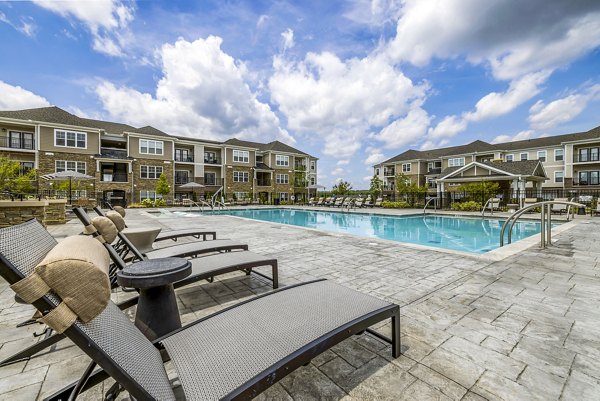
(240, 176)
(284, 196)
(240, 195)
(67, 165)
(524, 156)
(152, 172)
(70, 139)
(282, 160)
(312, 165)
(282, 179)
(406, 167)
(456, 162)
(149, 147)
(559, 176)
(241, 156)
(210, 178)
(313, 181)
(509, 158)
(559, 155)
(541, 154)
(152, 195)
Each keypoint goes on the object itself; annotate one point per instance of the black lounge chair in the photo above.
(203, 268)
(262, 339)
(190, 249)
(173, 235)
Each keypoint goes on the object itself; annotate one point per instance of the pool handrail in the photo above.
(512, 219)
(434, 205)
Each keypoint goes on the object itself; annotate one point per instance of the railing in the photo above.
(389, 172)
(17, 143)
(113, 153)
(436, 170)
(182, 158)
(428, 202)
(495, 204)
(117, 177)
(586, 157)
(263, 183)
(545, 220)
(211, 161)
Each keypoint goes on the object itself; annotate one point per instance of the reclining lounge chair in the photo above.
(262, 339)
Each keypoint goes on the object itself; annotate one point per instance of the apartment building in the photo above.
(568, 162)
(126, 162)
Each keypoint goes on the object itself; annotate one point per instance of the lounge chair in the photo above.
(311, 202)
(339, 201)
(368, 202)
(329, 201)
(347, 202)
(378, 202)
(359, 202)
(173, 235)
(254, 339)
(182, 250)
(493, 204)
(203, 268)
(319, 202)
(558, 208)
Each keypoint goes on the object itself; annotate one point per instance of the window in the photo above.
(148, 147)
(240, 176)
(559, 176)
(19, 140)
(282, 160)
(70, 139)
(313, 181)
(210, 179)
(376, 171)
(558, 155)
(524, 156)
(240, 195)
(181, 177)
(65, 165)
(282, 179)
(594, 177)
(284, 196)
(25, 167)
(183, 155)
(541, 154)
(312, 166)
(594, 154)
(241, 156)
(210, 158)
(406, 167)
(152, 172)
(152, 195)
(509, 158)
(456, 162)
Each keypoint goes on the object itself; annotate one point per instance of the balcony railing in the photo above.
(263, 183)
(389, 172)
(113, 153)
(117, 177)
(299, 167)
(17, 143)
(586, 157)
(212, 161)
(434, 170)
(184, 158)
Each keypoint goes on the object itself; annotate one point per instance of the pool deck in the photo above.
(521, 326)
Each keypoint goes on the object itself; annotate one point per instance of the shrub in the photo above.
(147, 203)
(395, 205)
(470, 206)
(135, 205)
(160, 203)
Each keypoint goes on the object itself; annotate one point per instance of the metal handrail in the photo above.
(492, 208)
(515, 216)
(434, 205)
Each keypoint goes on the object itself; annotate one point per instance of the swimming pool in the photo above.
(467, 234)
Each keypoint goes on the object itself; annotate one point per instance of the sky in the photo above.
(350, 82)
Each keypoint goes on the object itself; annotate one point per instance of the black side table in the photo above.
(157, 313)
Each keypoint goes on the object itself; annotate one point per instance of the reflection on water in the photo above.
(474, 235)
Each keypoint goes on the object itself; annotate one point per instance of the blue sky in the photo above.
(351, 82)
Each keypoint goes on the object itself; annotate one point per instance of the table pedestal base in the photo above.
(157, 312)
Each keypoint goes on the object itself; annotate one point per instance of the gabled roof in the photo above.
(554, 140)
(262, 166)
(271, 146)
(477, 146)
(109, 127)
(529, 168)
(52, 114)
(150, 130)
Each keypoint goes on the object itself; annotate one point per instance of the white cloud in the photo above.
(341, 101)
(406, 130)
(374, 12)
(202, 93)
(337, 171)
(374, 156)
(520, 136)
(427, 145)
(342, 162)
(448, 127)
(17, 98)
(513, 37)
(27, 26)
(288, 39)
(546, 116)
(106, 20)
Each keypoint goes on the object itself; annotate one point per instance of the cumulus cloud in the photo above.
(520, 136)
(406, 130)
(202, 93)
(106, 20)
(545, 116)
(337, 171)
(17, 98)
(342, 101)
(374, 156)
(342, 162)
(288, 39)
(512, 37)
(448, 127)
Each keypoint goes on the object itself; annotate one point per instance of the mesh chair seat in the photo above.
(174, 234)
(215, 357)
(196, 248)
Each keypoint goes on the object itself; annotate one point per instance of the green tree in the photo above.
(11, 180)
(341, 188)
(480, 191)
(162, 186)
(376, 186)
(408, 190)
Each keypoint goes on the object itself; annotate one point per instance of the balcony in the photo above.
(117, 177)
(433, 171)
(300, 183)
(263, 183)
(389, 172)
(17, 143)
(181, 177)
(212, 161)
(113, 153)
(184, 158)
(586, 157)
(299, 167)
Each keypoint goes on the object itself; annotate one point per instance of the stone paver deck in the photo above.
(521, 328)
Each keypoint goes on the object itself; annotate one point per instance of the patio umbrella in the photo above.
(67, 175)
(315, 186)
(191, 185)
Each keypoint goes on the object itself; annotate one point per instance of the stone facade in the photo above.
(47, 165)
(238, 186)
(46, 212)
(148, 184)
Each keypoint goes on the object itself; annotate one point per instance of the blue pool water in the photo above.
(475, 235)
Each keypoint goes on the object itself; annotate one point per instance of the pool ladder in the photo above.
(428, 202)
(545, 220)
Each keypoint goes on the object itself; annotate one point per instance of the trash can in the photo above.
(276, 201)
(581, 211)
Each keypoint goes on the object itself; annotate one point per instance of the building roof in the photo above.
(271, 146)
(262, 166)
(52, 114)
(109, 127)
(150, 130)
(523, 167)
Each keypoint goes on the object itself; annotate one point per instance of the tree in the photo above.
(480, 191)
(409, 190)
(12, 180)
(341, 188)
(162, 186)
(376, 186)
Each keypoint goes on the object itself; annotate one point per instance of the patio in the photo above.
(520, 328)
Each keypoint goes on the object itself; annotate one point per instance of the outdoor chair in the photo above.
(173, 235)
(378, 202)
(329, 201)
(358, 202)
(493, 204)
(235, 353)
(339, 201)
(319, 202)
(368, 202)
(558, 208)
(347, 202)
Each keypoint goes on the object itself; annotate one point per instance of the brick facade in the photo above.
(239, 186)
(149, 184)
(47, 165)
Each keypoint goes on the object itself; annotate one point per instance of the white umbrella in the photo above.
(67, 175)
(314, 186)
(192, 185)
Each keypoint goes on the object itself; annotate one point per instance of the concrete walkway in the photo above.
(521, 328)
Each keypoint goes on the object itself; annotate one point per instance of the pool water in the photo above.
(467, 234)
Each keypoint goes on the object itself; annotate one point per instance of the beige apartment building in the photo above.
(126, 162)
(569, 163)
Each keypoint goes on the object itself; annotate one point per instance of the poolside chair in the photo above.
(347, 202)
(339, 201)
(311, 202)
(190, 249)
(493, 204)
(329, 201)
(235, 353)
(378, 202)
(358, 202)
(368, 202)
(528, 202)
(319, 202)
(558, 208)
